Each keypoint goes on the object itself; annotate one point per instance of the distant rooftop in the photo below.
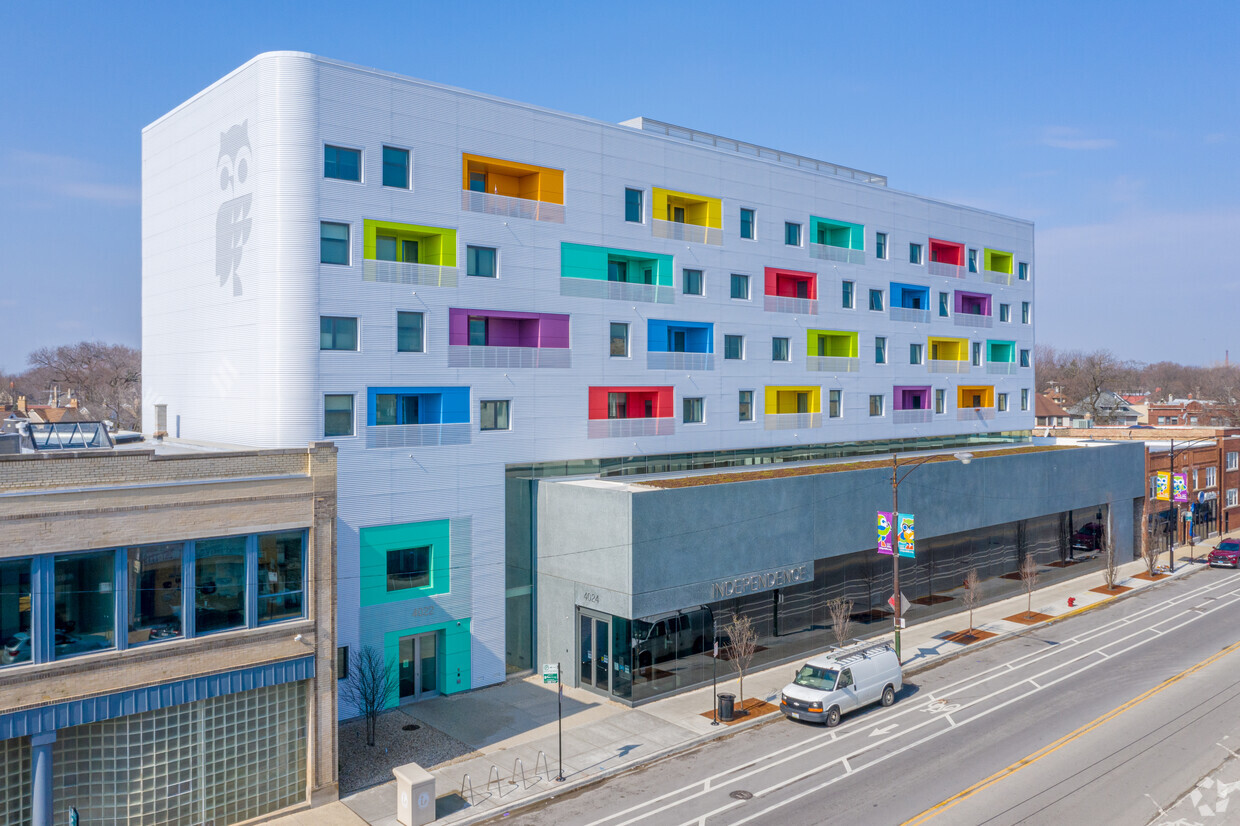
(683, 133)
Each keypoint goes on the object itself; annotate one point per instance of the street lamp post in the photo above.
(1173, 507)
(896, 479)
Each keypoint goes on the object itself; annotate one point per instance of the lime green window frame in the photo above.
(836, 343)
(435, 245)
(378, 540)
(998, 261)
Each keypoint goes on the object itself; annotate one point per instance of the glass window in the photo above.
(693, 411)
(1022, 271)
(945, 303)
(343, 164)
(85, 603)
(733, 347)
(880, 245)
(834, 401)
(876, 405)
(940, 400)
(409, 333)
(914, 253)
(333, 243)
(876, 300)
(792, 234)
(1233, 461)
(692, 283)
(1024, 398)
(977, 354)
(740, 286)
(1024, 358)
(337, 415)
(396, 167)
(16, 639)
(880, 350)
(1005, 312)
(219, 584)
(747, 225)
(914, 354)
(1003, 402)
(281, 576)
(477, 331)
(846, 296)
(745, 408)
(493, 415)
(1024, 312)
(480, 262)
(409, 568)
(972, 260)
(342, 662)
(155, 592)
(633, 205)
(337, 333)
(779, 349)
(1211, 476)
(619, 339)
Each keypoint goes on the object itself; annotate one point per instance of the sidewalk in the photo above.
(514, 724)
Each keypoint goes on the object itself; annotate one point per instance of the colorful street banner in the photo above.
(904, 539)
(1162, 486)
(885, 533)
(1179, 487)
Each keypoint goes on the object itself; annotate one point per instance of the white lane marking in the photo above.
(811, 744)
(847, 767)
(1034, 683)
(878, 732)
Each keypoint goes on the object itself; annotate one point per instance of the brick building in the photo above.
(1191, 412)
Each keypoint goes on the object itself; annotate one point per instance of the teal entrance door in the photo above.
(419, 666)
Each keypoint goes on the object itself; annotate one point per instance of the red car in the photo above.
(1226, 554)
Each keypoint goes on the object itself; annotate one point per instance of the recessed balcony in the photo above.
(630, 428)
(409, 254)
(956, 366)
(506, 339)
(838, 241)
(790, 291)
(680, 361)
(622, 275)
(946, 259)
(911, 416)
(681, 216)
(966, 414)
(417, 435)
(832, 364)
(910, 303)
(411, 274)
(511, 189)
(792, 421)
(998, 267)
(508, 206)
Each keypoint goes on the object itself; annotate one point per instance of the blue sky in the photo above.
(1114, 126)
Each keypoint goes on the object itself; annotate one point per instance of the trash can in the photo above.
(415, 795)
(726, 708)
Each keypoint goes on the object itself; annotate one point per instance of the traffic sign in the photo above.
(551, 673)
(904, 603)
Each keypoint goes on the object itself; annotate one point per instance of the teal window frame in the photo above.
(792, 234)
(342, 163)
(1024, 312)
(493, 414)
(945, 303)
(835, 403)
(1024, 358)
(1022, 271)
(747, 224)
(1005, 313)
(972, 260)
(914, 253)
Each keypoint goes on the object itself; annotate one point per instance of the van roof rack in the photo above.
(850, 653)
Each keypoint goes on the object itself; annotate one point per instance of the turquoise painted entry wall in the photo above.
(377, 541)
(453, 656)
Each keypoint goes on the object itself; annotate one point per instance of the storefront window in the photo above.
(280, 576)
(219, 583)
(85, 603)
(154, 593)
(16, 642)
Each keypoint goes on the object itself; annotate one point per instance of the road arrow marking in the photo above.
(878, 732)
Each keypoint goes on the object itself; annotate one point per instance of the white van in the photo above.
(840, 681)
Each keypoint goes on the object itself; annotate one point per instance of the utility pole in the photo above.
(895, 551)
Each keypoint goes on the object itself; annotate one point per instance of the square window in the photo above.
(342, 164)
(940, 400)
(914, 353)
(880, 350)
(337, 333)
(1003, 402)
(945, 302)
(619, 339)
(1022, 271)
(876, 405)
(880, 246)
(745, 406)
(835, 400)
(409, 568)
(914, 253)
(337, 415)
(972, 260)
(691, 283)
(333, 243)
(780, 349)
(733, 347)
(493, 415)
(1005, 312)
(847, 295)
(876, 300)
(792, 234)
(480, 261)
(1024, 312)
(633, 206)
(1024, 398)
(747, 224)
(409, 333)
(396, 167)
(740, 286)
(693, 411)
(1024, 358)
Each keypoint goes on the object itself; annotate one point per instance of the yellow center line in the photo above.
(981, 785)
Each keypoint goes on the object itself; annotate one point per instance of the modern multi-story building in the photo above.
(469, 295)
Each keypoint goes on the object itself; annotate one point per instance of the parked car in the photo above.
(16, 649)
(1089, 538)
(670, 636)
(829, 686)
(1227, 554)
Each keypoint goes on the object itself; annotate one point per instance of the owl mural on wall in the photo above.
(232, 221)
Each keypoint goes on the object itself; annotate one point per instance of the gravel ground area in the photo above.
(362, 765)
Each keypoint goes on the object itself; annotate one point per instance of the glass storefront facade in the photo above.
(649, 657)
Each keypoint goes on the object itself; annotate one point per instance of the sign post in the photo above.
(551, 674)
(714, 678)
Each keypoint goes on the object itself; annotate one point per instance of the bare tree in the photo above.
(972, 592)
(841, 618)
(367, 688)
(107, 377)
(741, 646)
(1149, 549)
(1029, 579)
(1110, 570)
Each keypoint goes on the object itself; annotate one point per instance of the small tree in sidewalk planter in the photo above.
(1029, 579)
(840, 610)
(368, 686)
(1149, 549)
(1110, 570)
(742, 644)
(972, 592)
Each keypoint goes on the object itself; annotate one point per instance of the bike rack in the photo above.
(546, 766)
(498, 789)
(517, 762)
(465, 780)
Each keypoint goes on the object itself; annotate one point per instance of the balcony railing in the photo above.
(418, 275)
(844, 255)
(973, 320)
(965, 414)
(833, 364)
(510, 207)
(947, 366)
(464, 355)
(788, 304)
(628, 428)
(912, 416)
(792, 421)
(617, 290)
(679, 231)
(910, 314)
(417, 435)
(680, 361)
(944, 269)
(997, 277)
(1001, 368)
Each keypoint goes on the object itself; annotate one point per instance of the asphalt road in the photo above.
(1128, 714)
